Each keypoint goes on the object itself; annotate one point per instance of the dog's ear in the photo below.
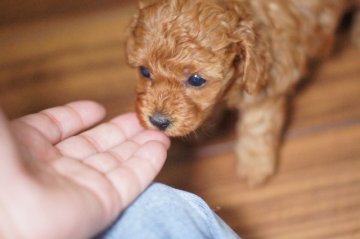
(253, 52)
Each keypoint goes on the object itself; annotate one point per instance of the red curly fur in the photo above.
(251, 53)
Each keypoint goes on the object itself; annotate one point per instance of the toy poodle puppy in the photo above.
(193, 55)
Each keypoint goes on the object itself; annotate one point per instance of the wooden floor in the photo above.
(50, 56)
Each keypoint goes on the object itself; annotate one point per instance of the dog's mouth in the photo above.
(171, 113)
(167, 124)
(171, 126)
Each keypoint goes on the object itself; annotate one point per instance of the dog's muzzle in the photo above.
(160, 121)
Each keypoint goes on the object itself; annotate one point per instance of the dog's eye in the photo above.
(145, 72)
(196, 80)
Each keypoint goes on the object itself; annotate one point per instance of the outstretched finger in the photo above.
(60, 122)
(121, 178)
(133, 175)
(108, 135)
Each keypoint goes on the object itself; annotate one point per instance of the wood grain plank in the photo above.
(313, 195)
(74, 57)
(17, 11)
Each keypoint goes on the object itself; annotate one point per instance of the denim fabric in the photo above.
(162, 212)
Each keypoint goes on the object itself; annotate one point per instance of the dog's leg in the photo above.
(259, 137)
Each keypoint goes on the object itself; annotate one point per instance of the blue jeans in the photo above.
(162, 212)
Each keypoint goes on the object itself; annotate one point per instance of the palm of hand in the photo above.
(74, 186)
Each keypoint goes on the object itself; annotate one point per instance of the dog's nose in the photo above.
(160, 121)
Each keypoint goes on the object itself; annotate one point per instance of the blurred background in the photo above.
(56, 51)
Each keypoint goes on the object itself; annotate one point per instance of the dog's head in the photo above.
(190, 54)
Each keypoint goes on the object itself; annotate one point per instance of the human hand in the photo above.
(57, 183)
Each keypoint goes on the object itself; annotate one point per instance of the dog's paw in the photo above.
(255, 169)
(253, 175)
